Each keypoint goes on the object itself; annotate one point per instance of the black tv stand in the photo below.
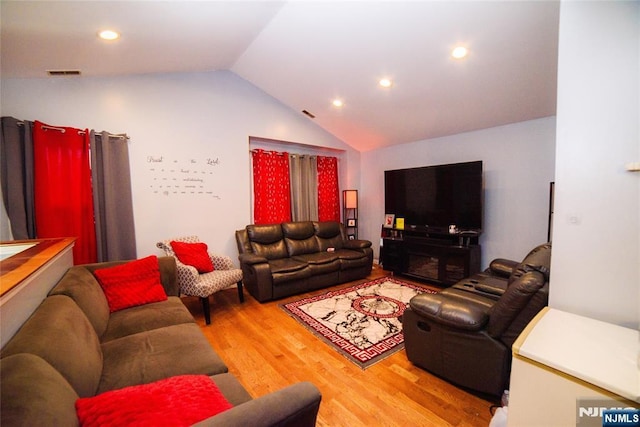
(432, 255)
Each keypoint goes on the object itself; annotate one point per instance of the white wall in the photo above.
(183, 118)
(596, 254)
(518, 162)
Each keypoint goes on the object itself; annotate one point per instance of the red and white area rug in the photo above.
(362, 322)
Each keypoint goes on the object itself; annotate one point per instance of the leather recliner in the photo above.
(464, 334)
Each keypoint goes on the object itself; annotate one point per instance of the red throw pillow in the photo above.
(193, 254)
(176, 401)
(131, 284)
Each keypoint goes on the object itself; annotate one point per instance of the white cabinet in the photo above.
(563, 362)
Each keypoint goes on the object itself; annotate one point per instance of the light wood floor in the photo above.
(268, 350)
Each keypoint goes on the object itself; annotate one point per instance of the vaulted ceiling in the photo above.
(308, 53)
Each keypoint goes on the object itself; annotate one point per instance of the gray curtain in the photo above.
(112, 199)
(303, 177)
(5, 224)
(16, 177)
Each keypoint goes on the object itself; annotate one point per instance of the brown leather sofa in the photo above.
(464, 333)
(280, 260)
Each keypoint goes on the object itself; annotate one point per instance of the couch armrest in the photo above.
(251, 259)
(168, 275)
(293, 406)
(256, 276)
(502, 267)
(357, 244)
(459, 313)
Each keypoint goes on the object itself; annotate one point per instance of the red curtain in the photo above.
(271, 189)
(328, 192)
(62, 182)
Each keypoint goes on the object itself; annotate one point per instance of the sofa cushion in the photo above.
(159, 353)
(267, 241)
(33, 393)
(146, 317)
(60, 333)
(464, 296)
(318, 258)
(351, 259)
(131, 284)
(176, 401)
(286, 265)
(329, 235)
(288, 269)
(193, 254)
(299, 237)
(320, 262)
(82, 286)
(348, 254)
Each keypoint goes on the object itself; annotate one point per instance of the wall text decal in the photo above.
(179, 177)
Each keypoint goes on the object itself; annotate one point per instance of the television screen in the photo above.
(436, 196)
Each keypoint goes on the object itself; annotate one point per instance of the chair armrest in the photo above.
(293, 406)
(251, 259)
(357, 244)
(502, 267)
(188, 270)
(449, 311)
(221, 262)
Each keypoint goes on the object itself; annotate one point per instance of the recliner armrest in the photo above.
(513, 301)
(293, 406)
(502, 267)
(450, 311)
(251, 259)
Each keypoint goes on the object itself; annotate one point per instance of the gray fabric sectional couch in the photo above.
(72, 347)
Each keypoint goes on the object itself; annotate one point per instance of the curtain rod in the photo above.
(117, 135)
(258, 150)
(82, 132)
(255, 150)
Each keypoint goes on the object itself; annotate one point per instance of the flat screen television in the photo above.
(436, 197)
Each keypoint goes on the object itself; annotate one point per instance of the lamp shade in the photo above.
(350, 199)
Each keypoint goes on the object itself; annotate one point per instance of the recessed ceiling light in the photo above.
(108, 35)
(337, 103)
(385, 83)
(459, 52)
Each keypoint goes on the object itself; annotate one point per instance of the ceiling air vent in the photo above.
(308, 114)
(63, 72)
